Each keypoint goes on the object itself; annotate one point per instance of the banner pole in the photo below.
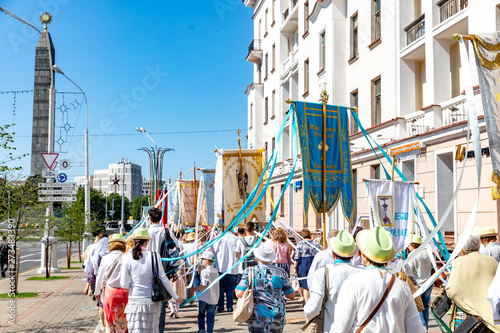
(195, 194)
(393, 165)
(324, 99)
(242, 174)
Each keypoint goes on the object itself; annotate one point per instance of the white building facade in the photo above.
(398, 63)
(103, 180)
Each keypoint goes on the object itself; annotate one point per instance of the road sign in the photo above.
(57, 199)
(49, 159)
(62, 191)
(65, 164)
(62, 177)
(49, 174)
(63, 185)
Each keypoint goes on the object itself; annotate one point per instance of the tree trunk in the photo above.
(79, 252)
(67, 255)
(47, 268)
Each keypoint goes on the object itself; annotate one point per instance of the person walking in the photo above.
(240, 234)
(4, 255)
(375, 300)
(114, 298)
(244, 245)
(343, 248)
(322, 258)
(489, 239)
(208, 300)
(136, 274)
(270, 286)
(225, 251)
(100, 250)
(303, 258)
(282, 249)
(419, 270)
(471, 276)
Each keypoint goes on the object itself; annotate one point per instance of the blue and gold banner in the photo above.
(338, 178)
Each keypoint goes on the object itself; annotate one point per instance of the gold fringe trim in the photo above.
(489, 64)
(495, 195)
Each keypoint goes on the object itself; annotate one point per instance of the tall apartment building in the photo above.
(102, 180)
(398, 63)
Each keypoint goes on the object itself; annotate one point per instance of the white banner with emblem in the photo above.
(392, 207)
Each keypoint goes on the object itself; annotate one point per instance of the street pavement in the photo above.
(62, 307)
(31, 254)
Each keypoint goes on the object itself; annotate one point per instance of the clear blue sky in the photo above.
(110, 49)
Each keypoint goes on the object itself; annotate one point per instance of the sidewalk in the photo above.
(60, 306)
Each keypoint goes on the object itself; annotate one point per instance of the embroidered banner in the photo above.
(487, 47)
(218, 204)
(187, 202)
(205, 209)
(338, 157)
(233, 184)
(392, 205)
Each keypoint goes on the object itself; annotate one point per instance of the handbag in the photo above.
(384, 296)
(441, 304)
(315, 325)
(413, 288)
(158, 292)
(471, 324)
(244, 307)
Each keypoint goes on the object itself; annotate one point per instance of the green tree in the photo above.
(117, 214)
(6, 142)
(137, 204)
(97, 205)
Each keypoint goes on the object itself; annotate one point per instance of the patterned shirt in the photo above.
(420, 268)
(269, 287)
(492, 250)
(306, 248)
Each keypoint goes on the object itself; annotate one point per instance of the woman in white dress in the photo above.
(137, 276)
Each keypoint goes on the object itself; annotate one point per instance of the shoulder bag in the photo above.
(384, 296)
(158, 292)
(244, 307)
(413, 288)
(315, 325)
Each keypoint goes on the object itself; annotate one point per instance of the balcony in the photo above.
(454, 110)
(415, 123)
(290, 62)
(415, 30)
(448, 8)
(255, 52)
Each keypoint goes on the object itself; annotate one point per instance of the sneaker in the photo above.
(171, 314)
(229, 310)
(220, 310)
(177, 316)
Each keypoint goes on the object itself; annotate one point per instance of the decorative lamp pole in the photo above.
(123, 161)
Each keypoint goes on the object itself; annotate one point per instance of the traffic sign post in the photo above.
(49, 159)
(62, 177)
(65, 164)
(49, 174)
(57, 199)
(62, 191)
(65, 185)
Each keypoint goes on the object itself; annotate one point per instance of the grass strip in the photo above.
(57, 277)
(20, 295)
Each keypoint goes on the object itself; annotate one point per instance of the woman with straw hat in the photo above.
(342, 248)
(488, 236)
(137, 274)
(270, 287)
(375, 300)
(114, 297)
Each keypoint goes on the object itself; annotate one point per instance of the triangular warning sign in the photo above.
(49, 159)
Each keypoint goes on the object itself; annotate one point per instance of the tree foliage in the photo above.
(137, 204)
(7, 148)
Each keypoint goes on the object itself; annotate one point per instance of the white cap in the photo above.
(207, 255)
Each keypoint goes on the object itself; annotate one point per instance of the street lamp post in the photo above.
(123, 161)
(86, 238)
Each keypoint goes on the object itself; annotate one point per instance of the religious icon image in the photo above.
(385, 210)
(240, 185)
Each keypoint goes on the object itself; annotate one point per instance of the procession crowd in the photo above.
(352, 271)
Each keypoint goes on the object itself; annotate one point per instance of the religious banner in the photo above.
(172, 208)
(487, 47)
(187, 189)
(238, 188)
(205, 209)
(392, 207)
(338, 173)
(218, 203)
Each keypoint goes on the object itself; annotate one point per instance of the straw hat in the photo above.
(141, 233)
(343, 244)
(376, 244)
(117, 238)
(416, 239)
(189, 237)
(265, 252)
(487, 232)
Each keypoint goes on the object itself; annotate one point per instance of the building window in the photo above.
(266, 110)
(354, 36)
(265, 152)
(273, 101)
(375, 171)
(260, 28)
(306, 18)
(251, 115)
(306, 77)
(282, 206)
(376, 33)
(273, 143)
(322, 52)
(355, 193)
(273, 10)
(273, 54)
(265, 23)
(266, 65)
(354, 103)
(271, 199)
(376, 102)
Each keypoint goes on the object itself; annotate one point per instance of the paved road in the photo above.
(31, 254)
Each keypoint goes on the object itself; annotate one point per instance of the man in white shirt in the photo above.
(225, 251)
(322, 258)
(361, 293)
(342, 248)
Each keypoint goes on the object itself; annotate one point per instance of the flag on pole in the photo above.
(338, 157)
(218, 201)
(487, 47)
(205, 209)
(238, 188)
(187, 207)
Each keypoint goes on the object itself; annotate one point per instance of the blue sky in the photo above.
(169, 66)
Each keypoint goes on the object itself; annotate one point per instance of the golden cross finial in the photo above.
(238, 131)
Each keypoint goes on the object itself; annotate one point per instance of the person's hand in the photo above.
(180, 300)
(97, 297)
(87, 289)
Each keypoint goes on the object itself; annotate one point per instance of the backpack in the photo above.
(168, 249)
(250, 260)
